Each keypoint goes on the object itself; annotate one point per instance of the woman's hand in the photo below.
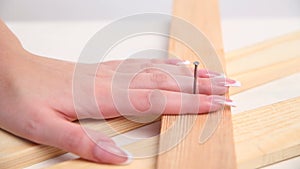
(41, 97)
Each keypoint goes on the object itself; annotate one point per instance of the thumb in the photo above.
(89, 145)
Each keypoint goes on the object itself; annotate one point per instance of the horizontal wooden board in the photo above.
(264, 62)
(262, 136)
(268, 135)
(18, 153)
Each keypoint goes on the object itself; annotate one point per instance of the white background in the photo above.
(112, 9)
(61, 28)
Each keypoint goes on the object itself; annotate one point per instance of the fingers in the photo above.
(151, 67)
(172, 66)
(114, 64)
(87, 144)
(167, 102)
(164, 81)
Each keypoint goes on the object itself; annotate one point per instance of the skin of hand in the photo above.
(37, 96)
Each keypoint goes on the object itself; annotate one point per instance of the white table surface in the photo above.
(65, 40)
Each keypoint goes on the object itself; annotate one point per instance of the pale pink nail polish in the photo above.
(212, 75)
(225, 101)
(129, 158)
(220, 76)
(186, 62)
(230, 103)
(232, 84)
(113, 149)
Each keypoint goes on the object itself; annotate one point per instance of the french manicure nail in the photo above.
(129, 158)
(221, 75)
(114, 149)
(186, 62)
(235, 84)
(212, 75)
(230, 103)
(225, 101)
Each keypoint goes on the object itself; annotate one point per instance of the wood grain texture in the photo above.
(262, 136)
(16, 152)
(218, 150)
(264, 62)
(148, 163)
(268, 135)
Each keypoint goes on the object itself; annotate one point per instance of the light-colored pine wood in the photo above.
(15, 151)
(218, 150)
(148, 163)
(262, 136)
(18, 153)
(268, 135)
(264, 62)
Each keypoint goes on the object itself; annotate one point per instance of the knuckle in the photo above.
(209, 87)
(185, 71)
(158, 79)
(31, 128)
(203, 86)
(147, 66)
(141, 101)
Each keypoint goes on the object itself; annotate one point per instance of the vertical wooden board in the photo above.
(218, 151)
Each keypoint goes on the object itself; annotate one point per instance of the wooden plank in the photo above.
(268, 135)
(148, 163)
(262, 137)
(282, 46)
(218, 150)
(264, 62)
(19, 153)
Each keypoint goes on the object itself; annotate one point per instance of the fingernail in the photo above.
(129, 158)
(233, 84)
(115, 150)
(221, 75)
(186, 62)
(225, 101)
(213, 74)
(230, 103)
